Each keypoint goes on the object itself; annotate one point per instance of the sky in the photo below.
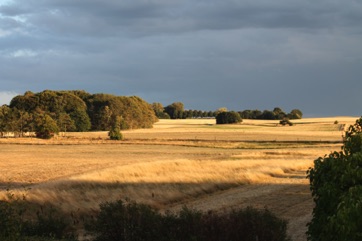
(207, 54)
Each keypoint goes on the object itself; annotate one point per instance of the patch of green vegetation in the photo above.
(131, 221)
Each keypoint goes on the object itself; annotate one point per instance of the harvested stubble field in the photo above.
(178, 162)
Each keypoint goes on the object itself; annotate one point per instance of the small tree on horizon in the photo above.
(115, 132)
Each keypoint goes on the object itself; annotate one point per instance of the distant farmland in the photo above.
(179, 162)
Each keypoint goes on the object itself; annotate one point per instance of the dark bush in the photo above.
(125, 221)
(129, 221)
(49, 223)
(285, 122)
(16, 224)
(10, 221)
(229, 117)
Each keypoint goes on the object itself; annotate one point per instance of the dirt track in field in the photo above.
(290, 200)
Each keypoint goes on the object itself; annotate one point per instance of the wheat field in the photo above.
(178, 162)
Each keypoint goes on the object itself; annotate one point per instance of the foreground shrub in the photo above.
(49, 224)
(129, 221)
(336, 185)
(10, 221)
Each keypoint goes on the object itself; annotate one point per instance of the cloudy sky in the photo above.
(239, 54)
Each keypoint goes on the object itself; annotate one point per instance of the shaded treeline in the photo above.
(176, 110)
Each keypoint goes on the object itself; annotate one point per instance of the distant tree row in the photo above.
(177, 111)
(276, 114)
(49, 112)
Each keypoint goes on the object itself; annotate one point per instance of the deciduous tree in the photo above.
(336, 185)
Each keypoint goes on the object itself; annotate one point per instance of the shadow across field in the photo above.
(79, 200)
(204, 196)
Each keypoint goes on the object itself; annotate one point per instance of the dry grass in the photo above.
(176, 162)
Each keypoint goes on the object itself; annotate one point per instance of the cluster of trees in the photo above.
(336, 185)
(49, 112)
(177, 111)
(276, 114)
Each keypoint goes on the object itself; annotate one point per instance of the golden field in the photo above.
(178, 162)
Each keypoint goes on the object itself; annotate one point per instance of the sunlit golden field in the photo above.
(178, 162)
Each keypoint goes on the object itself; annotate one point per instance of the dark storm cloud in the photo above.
(113, 17)
(207, 54)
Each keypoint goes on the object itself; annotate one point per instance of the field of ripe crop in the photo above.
(178, 162)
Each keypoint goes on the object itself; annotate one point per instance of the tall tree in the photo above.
(46, 127)
(175, 110)
(115, 132)
(65, 122)
(336, 185)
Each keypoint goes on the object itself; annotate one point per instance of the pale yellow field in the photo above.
(178, 162)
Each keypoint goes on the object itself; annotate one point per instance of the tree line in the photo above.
(49, 112)
(176, 110)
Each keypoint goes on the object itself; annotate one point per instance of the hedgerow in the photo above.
(129, 221)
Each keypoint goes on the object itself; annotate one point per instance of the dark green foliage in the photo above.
(175, 110)
(81, 120)
(336, 185)
(135, 112)
(54, 104)
(74, 111)
(45, 127)
(115, 132)
(125, 221)
(295, 114)
(285, 122)
(49, 224)
(276, 114)
(268, 115)
(229, 117)
(65, 122)
(129, 221)
(10, 222)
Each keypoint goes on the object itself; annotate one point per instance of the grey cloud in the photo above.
(207, 54)
(143, 18)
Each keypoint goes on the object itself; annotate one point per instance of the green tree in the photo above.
(268, 115)
(81, 120)
(295, 114)
(279, 114)
(5, 112)
(115, 132)
(158, 109)
(46, 127)
(229, 117)
(175, 110)
(65, 122)
(336, 185)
